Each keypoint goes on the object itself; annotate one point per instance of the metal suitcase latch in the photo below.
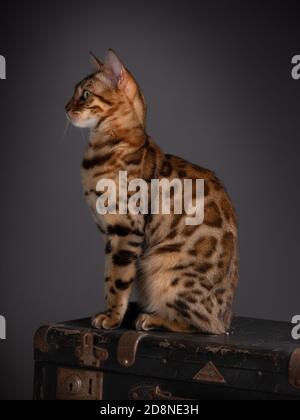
(152, 392)
(88, 354)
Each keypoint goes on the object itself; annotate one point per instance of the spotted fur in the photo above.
(186, 276)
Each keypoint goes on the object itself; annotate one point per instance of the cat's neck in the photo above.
(117, 136)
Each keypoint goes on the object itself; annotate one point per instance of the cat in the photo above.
(186, 276)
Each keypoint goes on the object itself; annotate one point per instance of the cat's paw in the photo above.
(106, 322)
(144, 322)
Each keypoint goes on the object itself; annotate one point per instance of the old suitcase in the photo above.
(257, 360)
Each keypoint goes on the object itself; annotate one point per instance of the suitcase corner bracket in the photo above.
(128, 346)
(294, 369)
(40, 342)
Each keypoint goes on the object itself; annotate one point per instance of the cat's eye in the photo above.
(86, 94)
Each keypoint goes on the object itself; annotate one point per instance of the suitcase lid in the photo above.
(256, 355)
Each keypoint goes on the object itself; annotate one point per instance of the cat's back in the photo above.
(219, 213)
(216, 195)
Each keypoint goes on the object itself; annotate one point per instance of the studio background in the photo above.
(217, 79)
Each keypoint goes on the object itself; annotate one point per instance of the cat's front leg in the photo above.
(120, 272)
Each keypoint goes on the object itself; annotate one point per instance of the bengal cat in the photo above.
(186, 276)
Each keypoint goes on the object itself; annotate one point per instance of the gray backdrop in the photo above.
(217, 78)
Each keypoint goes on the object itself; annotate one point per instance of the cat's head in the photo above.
(109, 94)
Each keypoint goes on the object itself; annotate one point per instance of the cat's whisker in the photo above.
(83, 135)
(65, 130)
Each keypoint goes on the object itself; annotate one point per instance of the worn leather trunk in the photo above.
(257, 360)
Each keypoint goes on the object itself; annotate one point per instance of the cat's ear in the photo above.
(95, 62)
(118, 73)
